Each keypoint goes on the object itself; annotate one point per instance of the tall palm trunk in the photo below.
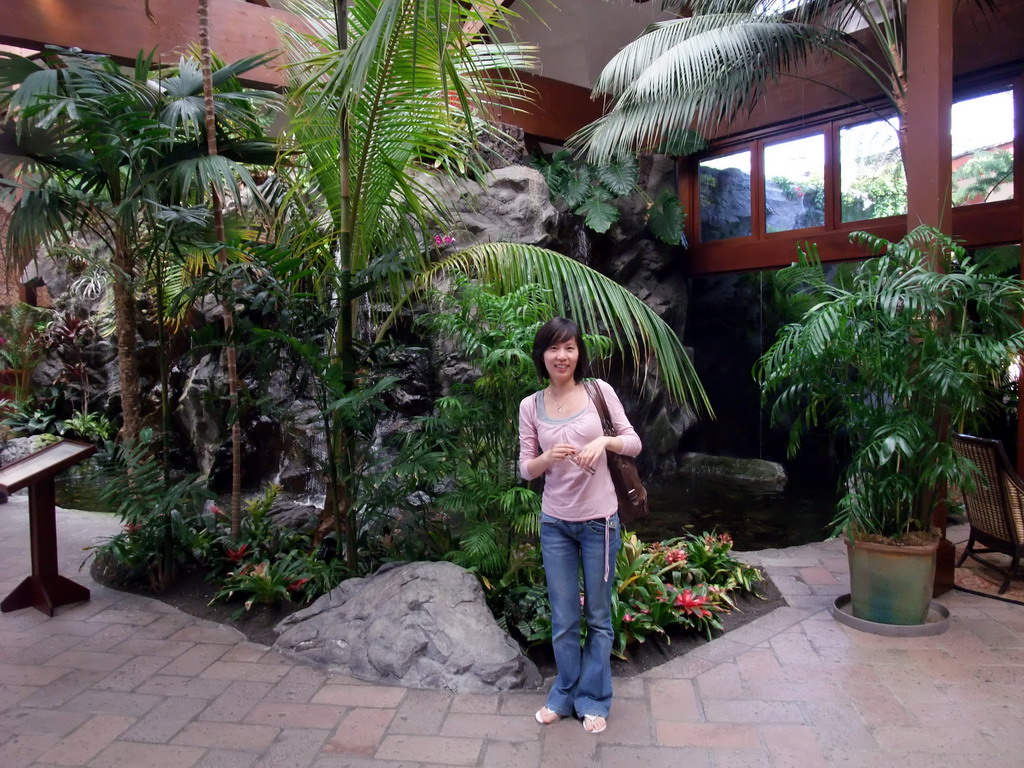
(229, 318)
(126, 322)
(343, 510)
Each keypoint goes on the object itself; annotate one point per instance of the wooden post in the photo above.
(928, 161)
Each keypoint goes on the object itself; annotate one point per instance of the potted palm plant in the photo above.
(911, 343)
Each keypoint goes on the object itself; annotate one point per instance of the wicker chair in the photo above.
(995, 505)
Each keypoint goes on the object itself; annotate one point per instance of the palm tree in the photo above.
(700, 71)
(87, 147)
(230, 354)
(407, 93)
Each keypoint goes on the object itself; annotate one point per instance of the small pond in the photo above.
(79, 488)
(755, 516)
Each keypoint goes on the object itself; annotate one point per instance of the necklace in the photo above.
(560, 404)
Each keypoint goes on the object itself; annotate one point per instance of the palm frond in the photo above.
(597, 302)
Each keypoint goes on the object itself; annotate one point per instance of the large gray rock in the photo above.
(769, 473)
(508, 205)
(421, 625)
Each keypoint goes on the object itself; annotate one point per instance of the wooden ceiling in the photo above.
(982, 43)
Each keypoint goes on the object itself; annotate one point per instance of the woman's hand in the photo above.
(590, 454)
(558, 452)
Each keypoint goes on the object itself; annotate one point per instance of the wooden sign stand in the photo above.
(45, 589)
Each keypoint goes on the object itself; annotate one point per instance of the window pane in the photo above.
(983, 149)
(794, 184)
(871, 171)
(725, 197)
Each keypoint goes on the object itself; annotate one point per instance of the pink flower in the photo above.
(628, 617)
(675, 556)
(690, 603)
(216, 510)
(297, 584)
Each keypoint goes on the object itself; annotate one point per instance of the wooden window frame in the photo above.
(982, 224)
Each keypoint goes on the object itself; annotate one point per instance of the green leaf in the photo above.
(599, 213)
(619, 174)
(665, 217)
(577, 185)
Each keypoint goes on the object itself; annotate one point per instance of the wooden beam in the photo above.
(991, 224)
(558, 109)
(929, 101)
(120, 29)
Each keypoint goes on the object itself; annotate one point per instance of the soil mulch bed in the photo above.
(192, 593)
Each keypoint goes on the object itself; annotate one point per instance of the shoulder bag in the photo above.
(630, 491)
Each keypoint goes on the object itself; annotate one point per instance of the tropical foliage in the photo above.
(91, 150)
(161, 532)
(721, 58)
(981, 176)
(375, 116)
(916, 339)
(685, 584)
(22, 336)
(472, 438)
(590, 191)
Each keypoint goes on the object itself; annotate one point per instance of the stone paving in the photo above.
(124, 681)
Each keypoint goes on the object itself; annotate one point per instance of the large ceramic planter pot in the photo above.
(891, 584)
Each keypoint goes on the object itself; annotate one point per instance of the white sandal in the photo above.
(546, 716)
(594, 723)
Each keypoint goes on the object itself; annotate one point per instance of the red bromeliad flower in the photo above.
(132, 528)
(690, 603)
(297, 584)
(236, 555)
(675, 556)
(628, 617)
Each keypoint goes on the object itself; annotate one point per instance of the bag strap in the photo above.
(594, 390)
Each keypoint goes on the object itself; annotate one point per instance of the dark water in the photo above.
(757, 518)
(79, 488)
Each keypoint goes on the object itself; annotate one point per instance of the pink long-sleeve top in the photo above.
(569, 492)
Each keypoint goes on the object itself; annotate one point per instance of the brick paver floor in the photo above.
(123, 681)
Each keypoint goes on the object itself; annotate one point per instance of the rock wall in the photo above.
(509, 204)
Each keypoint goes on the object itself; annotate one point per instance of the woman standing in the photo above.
(561, 437)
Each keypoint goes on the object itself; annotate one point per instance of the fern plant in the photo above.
(474, 428)
(589, 190)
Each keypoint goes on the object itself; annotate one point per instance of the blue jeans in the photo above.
(584, 680)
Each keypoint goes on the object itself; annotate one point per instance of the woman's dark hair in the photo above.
(555, 331)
